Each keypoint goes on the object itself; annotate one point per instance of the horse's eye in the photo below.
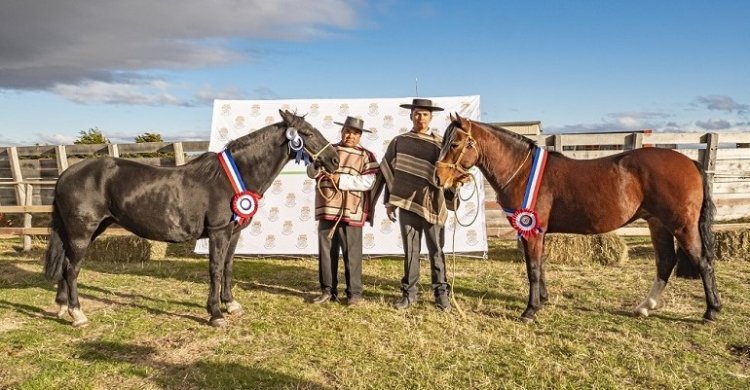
(454, 145)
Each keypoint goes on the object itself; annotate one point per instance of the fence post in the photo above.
(15, 170)
(27, 217)
(113, 150)
(179, 154)
(708, 157)
(62, 159)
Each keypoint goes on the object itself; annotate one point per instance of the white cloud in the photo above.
(721, 103)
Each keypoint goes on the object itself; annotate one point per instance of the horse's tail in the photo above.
(685, 267)
(55, 260)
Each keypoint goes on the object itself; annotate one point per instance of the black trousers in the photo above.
(412, 228)
(348, 239)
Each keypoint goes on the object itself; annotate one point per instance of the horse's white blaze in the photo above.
(62, 311)
(653, 298)
(79, 319)
(234, 307)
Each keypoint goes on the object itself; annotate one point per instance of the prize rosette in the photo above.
(245, 205)
(526, 222)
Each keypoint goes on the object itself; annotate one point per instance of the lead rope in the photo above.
(453, 243)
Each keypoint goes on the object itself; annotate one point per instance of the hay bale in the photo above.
(733, 245)
(125, 249)
(605, 249)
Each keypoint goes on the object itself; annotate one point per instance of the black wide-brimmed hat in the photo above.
(425, 104)
(354, 123)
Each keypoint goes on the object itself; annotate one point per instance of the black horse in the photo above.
(173, 204)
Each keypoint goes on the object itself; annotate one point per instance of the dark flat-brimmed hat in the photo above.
(354, 123)
(425, 104)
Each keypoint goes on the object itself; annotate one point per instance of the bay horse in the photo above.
(172, 204)
(662, 186)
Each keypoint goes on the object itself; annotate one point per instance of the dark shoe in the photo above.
(323, 298)
(354, 300)
(443, 303)
(404, 302)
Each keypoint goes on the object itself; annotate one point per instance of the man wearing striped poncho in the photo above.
(408, 175)
(342, 206)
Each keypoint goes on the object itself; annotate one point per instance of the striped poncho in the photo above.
(353, 207)
(408, 175)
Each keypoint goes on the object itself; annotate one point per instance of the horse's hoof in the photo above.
(63, 310)
(218, 322)
(234, 308)
(641, 311)
(79, 319)
(527, 319)
(709, 317)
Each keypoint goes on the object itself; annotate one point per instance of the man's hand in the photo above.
(390, 211)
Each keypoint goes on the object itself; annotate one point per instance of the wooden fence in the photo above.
(28, 174)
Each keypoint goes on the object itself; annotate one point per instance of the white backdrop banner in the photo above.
(285, 222)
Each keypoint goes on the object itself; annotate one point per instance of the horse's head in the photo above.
(458, 154)
(320, 150)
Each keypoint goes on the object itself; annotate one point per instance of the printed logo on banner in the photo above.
(291, 200)
(327, 121)
(273, 214)
(386, 142)
(471, 237)
(470, 208)
(314, 109)
(224, 134)
(369, 241)
(256, 228)
(269, 120)
(373, 135)
(308, 186)
(255, 110)
(285, 107)
(302, 241)
(465, 106)
(270, 241)
(386, 226)
(344, 109)
(277, 186)
(404, 112)
(304, 213)
(403, 130)
(451, 223)
(226, 109)
(288, 228)
(239, 122)
(387, 122)
(372, 109)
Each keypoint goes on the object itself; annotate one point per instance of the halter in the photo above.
(456, 165)
(298, 145)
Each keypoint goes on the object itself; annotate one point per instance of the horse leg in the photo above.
(62, 297)
(233, 307)
(533, 249)
(666, 258)
(218, 246)
(690, 241)
(543, 296)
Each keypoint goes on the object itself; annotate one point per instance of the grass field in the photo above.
(148, 329)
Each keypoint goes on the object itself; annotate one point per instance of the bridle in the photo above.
(296, 143)
(469, 144)
(314, 156)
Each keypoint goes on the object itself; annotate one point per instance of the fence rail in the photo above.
(28, 173)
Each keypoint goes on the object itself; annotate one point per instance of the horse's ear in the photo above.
(287, 116)
(458, 119)
(451, 117)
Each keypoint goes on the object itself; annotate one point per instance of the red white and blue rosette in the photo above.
(526, 222)
(245, 204)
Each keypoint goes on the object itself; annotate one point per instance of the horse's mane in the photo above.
(505, 132)
(207, 165)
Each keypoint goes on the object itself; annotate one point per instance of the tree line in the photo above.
(94, 136)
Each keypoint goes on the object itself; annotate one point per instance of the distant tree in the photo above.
(148, 137)
(91, 137)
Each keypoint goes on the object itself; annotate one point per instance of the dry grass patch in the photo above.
(733, 245)
(125, 249)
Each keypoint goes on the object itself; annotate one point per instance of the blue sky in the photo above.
(578, 66)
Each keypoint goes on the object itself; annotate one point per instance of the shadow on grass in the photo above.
(201, 375)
